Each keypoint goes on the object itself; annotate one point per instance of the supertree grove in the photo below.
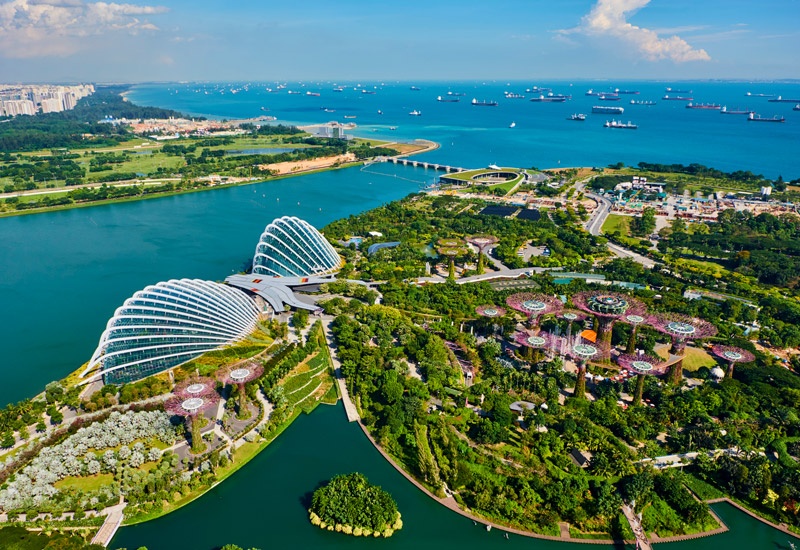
(195, 386)
(733, 355)
(239, 376)
(641, 366)
(189, 408)
(680, 328)
(608, 308)
(534, 305)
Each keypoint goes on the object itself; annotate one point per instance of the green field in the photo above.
(617, 223)
(85, 483)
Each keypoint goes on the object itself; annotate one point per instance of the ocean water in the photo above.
(473, 136)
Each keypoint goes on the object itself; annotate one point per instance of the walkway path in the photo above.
(110, 526)
(636, 526)
(349, 406)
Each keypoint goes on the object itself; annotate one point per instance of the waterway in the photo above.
(263, 505)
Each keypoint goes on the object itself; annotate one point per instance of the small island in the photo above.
(350, 504)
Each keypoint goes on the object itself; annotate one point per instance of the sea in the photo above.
(64, 273)
(542, 136)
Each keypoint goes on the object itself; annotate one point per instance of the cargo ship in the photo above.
(602, 109)
(608, 97)
(735, 111)
(627, 92)
(414, 88)
(370, 92)
(704, 106)
(447, 99)
(756, 118)
(642, 102)
(577, 116)
(620, 125)
(749, 94)
(550, 98)
(484, 103)
(676, 91)
(314, 94)
(677, 98)
(511, 95)
(538, 90)
(779, 99)
(796, 107)
(415, 113)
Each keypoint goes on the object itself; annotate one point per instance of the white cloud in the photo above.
(609, 18)
(35, 28)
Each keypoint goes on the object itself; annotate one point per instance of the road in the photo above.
(595, 227)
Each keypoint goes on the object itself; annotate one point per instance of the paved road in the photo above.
(595, 223)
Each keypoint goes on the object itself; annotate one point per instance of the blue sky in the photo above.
(85, 40)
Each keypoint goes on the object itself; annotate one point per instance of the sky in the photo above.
(264, 40)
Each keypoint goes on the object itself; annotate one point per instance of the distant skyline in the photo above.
(147, 40)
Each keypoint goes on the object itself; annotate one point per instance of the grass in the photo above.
(85, 483)
(703, 489)
(617, 223)
(695, 358)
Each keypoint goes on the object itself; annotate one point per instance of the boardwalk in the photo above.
(110, 526)
(349, 407)
(636, 526)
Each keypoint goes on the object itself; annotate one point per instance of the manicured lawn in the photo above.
(617, 223)
(695, 358)
(86, 483)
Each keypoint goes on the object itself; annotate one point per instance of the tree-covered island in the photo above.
(350, 504)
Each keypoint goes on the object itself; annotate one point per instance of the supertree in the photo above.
(534, 343)
(608, 308)
(680, 328)
(571, 316)
(239, 376)
(534, 305)
(195, 386)
(732, 355)
(450, 248)
(481, 242)
(634, 321)
(490, 311)
(641, 366)
(582, 352)
(189, 408)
